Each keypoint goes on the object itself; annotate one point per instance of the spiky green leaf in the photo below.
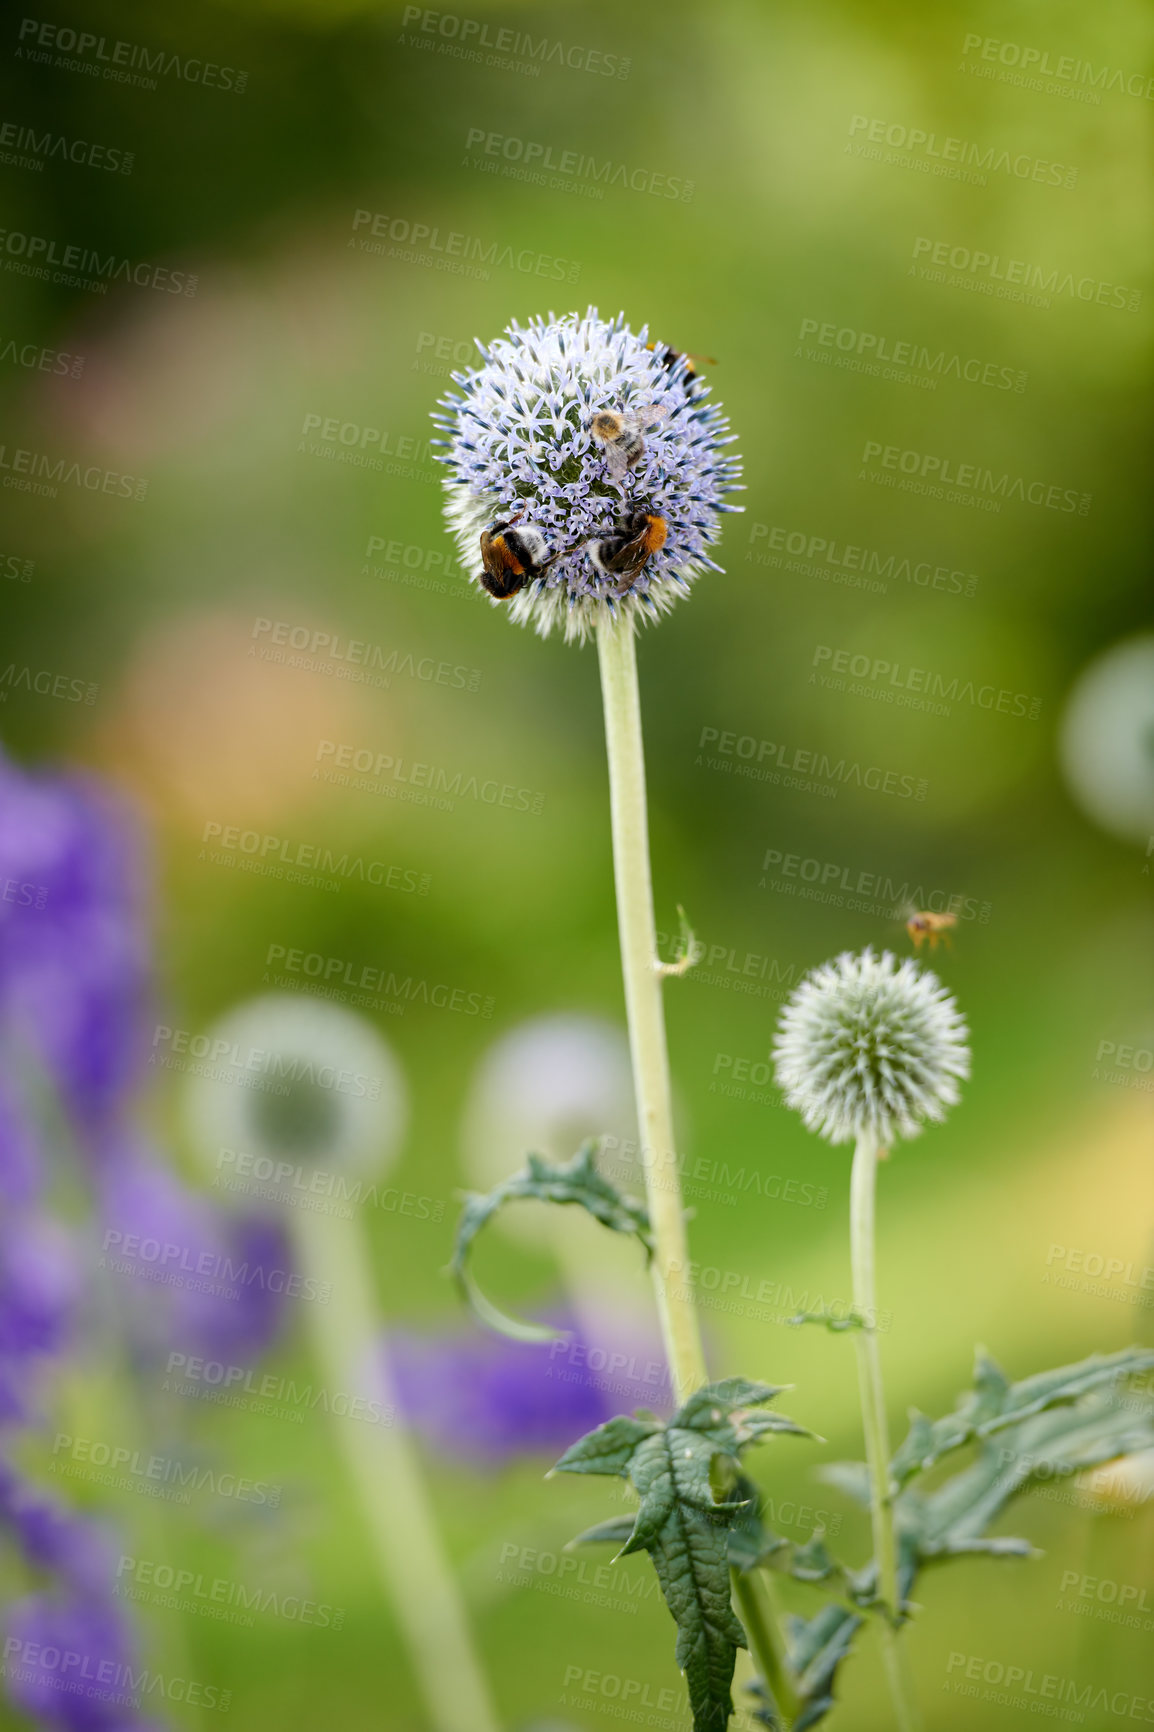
(1053, 1445)
(683, 1524)
(993, 1404)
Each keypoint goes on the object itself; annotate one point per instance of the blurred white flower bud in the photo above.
(291, 1085)
(544, 1088)
(1107, 739)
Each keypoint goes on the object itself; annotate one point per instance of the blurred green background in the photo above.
(220, 399)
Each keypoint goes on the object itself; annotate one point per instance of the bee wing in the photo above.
(651, 416)
(615, 460)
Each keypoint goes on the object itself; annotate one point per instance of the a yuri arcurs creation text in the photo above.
(587, 475)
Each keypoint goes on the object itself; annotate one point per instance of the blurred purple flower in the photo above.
(74, 962)
(485, 1399)
(66, 1652)
(20, 1153)
(70, 1661)
(204, 1281)
(54, 1538)
(40, 1283)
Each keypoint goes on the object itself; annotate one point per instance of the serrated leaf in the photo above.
(732, 1413)
(994, 1404)
(576, 1181)
(683, 1525)
(609, 1449)
(1055, 1444)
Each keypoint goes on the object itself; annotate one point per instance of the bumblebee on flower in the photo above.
(588, 472)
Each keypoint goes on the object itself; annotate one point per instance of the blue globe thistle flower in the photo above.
(522, 447)
(868, 1047)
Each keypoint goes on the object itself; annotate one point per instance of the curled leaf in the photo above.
(574, 1181)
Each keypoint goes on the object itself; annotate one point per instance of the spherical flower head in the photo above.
(868, 1047)
(520, 444)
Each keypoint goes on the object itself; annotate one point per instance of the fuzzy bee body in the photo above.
(512, 557)
(923, 923)
(670, 357)
(621, 434)
(624, 554)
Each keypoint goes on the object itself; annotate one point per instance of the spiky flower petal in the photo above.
(519, 443)
(870, 1047)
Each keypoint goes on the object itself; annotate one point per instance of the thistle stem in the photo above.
(400, 1524)
(616, 648)
(863, 1186)
(641, 971)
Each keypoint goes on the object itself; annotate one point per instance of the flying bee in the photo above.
(621, 435)
(624, 554)
(923, 923)
(670, 357)
(512, 557)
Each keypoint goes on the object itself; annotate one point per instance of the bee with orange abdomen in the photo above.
(670, 357)
(923, 923)
(626, 552)
(512, 557)
(621, 434)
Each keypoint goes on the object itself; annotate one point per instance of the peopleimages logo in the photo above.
(532, 154)
(769, 761)
(874, 349)
(898, 894)
(273, 853)
(512, 50)
(263, 1061)
(971, 478)
(945, 152)
(50, 1668)
(873, 671)
(1020, 273)
(32, 149)
(1065, 68)
(93, 270)
(465, 255)
(120, 61)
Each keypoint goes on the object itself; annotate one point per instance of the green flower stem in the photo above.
(863, 1186)
(617, 651)
(616, 648)
(386, 1475)
(754, 1597)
